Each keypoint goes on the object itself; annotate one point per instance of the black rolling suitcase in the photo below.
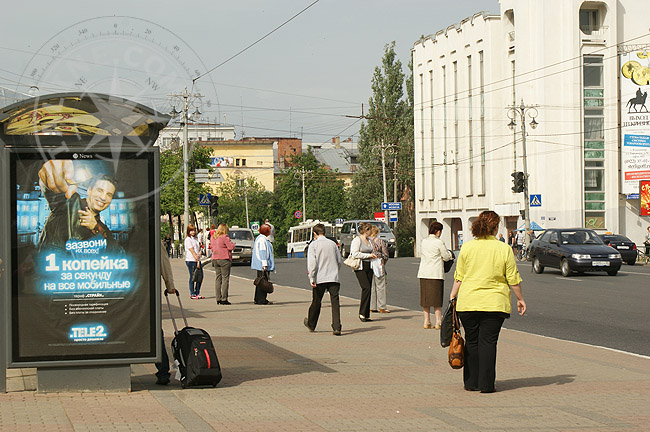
(195, 353)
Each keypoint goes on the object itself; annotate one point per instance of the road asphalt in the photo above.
(386, 375)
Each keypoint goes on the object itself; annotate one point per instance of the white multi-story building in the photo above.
(172, 135)
(578, 63)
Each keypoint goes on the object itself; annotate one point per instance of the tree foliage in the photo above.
(171, 180)
(324, 195)
(234, 192)
(388, 126)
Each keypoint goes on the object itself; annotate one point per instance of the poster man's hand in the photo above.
(58, 176)
(87, 219)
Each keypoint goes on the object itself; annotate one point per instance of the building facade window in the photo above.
(589, 20)
(432, 195)
(422, 175)
(513, 74)
(482, 97)
(469, 127)
(593, 141)
(456, 131)
(444, 128)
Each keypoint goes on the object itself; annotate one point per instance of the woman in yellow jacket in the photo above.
(485, 273)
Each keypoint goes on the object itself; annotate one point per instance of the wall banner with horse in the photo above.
(635, 120)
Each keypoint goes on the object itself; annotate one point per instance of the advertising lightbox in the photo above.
(83, 245)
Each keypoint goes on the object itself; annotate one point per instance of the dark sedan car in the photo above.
(624, 246)
(578, 249)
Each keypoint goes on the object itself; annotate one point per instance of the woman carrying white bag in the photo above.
(378, 266)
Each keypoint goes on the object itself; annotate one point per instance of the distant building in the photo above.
(338, 156)
(577, 62)
(249, 157)
(172, 135)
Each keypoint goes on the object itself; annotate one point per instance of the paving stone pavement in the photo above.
(385, 375)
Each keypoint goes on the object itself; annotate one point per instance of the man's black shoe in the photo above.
(162, 381)
(219, 302)
(306, 323)
(226, 302)
(336, 332)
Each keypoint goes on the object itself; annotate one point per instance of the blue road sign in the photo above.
(204, 199)
(391, 206)
(536, 200)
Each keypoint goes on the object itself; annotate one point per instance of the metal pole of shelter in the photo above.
(186, 194)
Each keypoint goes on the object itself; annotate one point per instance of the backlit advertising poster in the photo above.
(644, 195)
(83, 244)
(635, 121)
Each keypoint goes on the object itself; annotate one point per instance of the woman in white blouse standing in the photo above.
(432, 274)
(192, 260)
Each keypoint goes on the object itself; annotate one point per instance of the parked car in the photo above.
(349, 231)
(579, 249)
(624, 246)
(243, 239)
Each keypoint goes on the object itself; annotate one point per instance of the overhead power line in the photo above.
(254, 43)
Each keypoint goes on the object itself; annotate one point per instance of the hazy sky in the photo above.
(302, 80)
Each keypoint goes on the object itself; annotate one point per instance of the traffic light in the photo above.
(214, 205)
(518, 181)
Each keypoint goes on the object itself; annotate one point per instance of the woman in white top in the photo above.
(432, 274)
(193, 260)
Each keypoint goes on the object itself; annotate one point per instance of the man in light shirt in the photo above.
(323, 264)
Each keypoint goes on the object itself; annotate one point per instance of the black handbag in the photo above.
(197, 275)
(447, 326)
(449, 264)
(262, 282)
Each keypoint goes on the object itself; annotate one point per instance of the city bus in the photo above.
(299, 237)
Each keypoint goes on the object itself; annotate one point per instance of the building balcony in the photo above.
(593, 32)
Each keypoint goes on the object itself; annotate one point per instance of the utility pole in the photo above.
(395, 200)
(301, 174)
(383, 148)
(186, 99)
(522, 111)
(248, 222)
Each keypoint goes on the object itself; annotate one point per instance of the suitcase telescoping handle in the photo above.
(169, 306)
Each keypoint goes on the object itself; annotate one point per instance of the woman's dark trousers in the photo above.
(481, 336)
(364, 276)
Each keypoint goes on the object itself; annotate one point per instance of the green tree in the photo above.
(388, 125)
(171, 182)
(324, 196)
(233, 193)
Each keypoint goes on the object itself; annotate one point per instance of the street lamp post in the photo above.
(522, 111)
(187, 99)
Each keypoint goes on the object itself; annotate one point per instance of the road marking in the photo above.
(630, 272)
(582, 343)
(569, 279)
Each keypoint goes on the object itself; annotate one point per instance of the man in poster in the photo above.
(72, 217)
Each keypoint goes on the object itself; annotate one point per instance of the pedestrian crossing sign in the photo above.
(536, 200)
